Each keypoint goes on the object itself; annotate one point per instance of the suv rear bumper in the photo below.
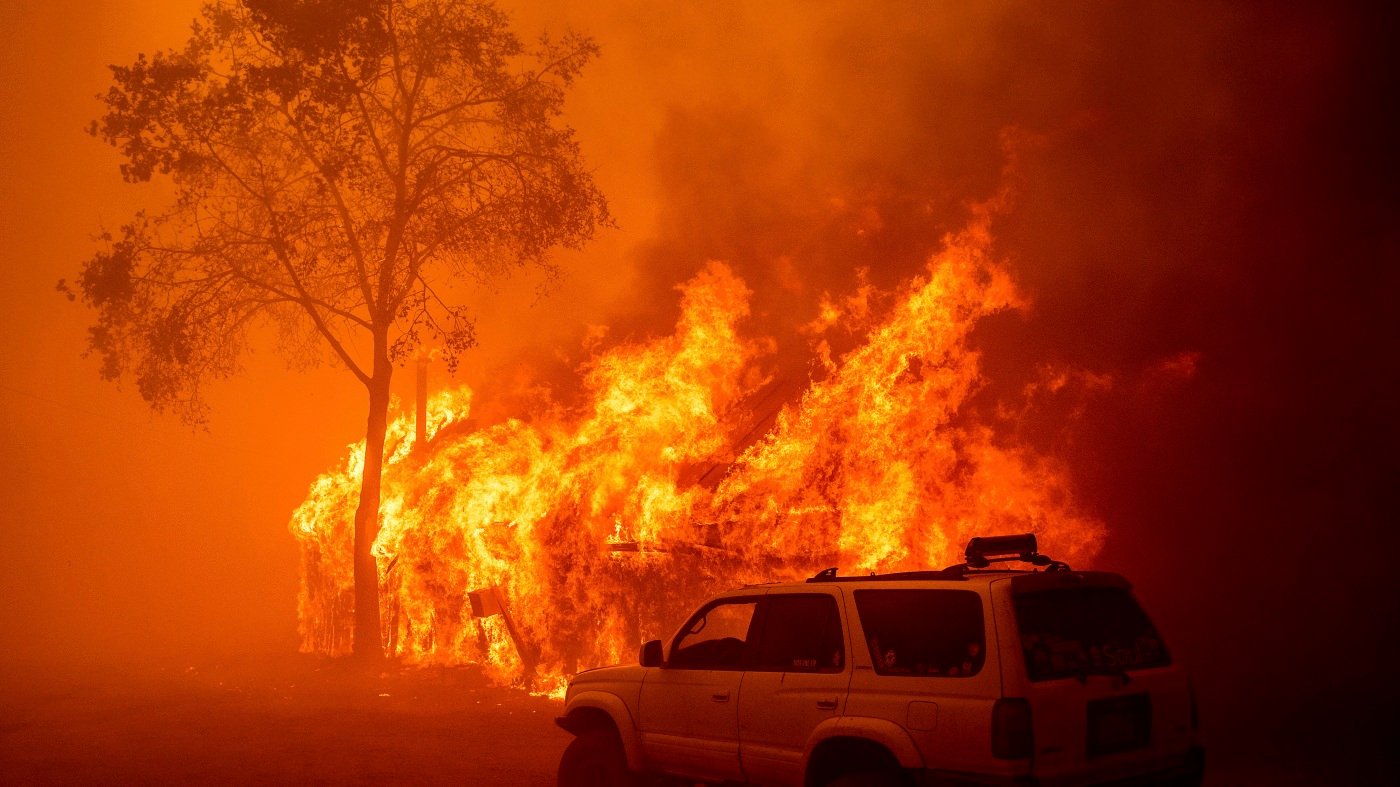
(1186, 773)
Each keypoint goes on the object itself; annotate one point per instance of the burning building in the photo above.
(559, 539)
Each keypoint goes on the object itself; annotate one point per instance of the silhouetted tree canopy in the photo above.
(336, 165)
(335, 162)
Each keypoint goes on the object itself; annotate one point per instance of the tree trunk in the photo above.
(368, 643)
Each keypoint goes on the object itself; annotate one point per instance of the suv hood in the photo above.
(624, 673)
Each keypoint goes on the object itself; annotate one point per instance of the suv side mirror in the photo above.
(651, 653)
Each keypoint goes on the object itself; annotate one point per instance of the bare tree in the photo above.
(336, 165)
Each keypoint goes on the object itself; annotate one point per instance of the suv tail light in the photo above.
(1012, 736)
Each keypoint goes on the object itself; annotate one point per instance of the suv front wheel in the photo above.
(595, 759)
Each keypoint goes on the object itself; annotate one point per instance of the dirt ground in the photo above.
(295, 721)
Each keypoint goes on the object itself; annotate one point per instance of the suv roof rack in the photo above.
(981, 552)
(829, 575)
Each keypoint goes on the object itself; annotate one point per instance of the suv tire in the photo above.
(595, 759)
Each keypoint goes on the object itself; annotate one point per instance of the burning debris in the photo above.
(539, 546)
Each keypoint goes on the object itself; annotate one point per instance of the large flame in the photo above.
(598, 526)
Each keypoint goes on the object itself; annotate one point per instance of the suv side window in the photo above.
(716, 638)
(801, 633)
(931, 633)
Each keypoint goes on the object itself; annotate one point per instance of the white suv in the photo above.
(962, 676)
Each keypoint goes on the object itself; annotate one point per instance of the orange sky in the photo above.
(112, 507)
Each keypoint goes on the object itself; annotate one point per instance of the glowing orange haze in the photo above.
(602, 525)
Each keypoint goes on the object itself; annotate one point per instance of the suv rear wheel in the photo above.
(853, 762)
(595, 759)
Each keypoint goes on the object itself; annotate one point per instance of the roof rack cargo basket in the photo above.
(982, 551)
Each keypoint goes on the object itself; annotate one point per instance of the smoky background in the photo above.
(1201, 215)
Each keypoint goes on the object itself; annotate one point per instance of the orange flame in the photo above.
(598, 527)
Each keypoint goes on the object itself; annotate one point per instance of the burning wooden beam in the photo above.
(489, 602)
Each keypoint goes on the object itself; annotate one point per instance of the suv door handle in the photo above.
(720, 696)
(827, 704)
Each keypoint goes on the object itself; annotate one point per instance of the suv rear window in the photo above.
(931, 633)
(1075, 631)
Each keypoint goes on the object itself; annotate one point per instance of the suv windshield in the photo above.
(934, 633)
(1076, 631)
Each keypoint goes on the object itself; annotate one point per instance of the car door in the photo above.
(923, 662)
(688, 709)
(796, 679)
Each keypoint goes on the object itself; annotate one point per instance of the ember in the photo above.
(560, 539)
